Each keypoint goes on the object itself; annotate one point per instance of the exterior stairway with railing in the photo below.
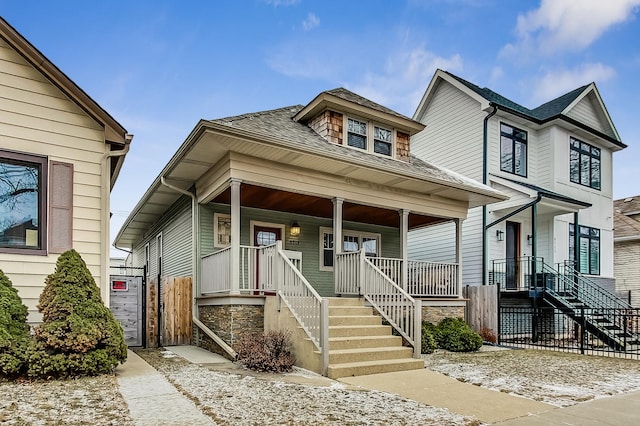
(600, 312)
(360, 344)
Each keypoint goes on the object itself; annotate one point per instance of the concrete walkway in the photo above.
(438, 390)
(152, 399)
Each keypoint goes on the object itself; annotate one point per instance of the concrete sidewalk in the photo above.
(152, 399)
(442, 391)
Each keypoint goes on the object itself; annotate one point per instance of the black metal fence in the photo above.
(611, 332)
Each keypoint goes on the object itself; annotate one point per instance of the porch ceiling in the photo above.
(290, 202)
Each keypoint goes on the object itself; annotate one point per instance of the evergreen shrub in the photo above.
(428, 344)
(455, 335)
(79, 335)
(14, 330)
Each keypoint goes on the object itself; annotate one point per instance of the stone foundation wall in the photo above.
(229, 322)
(435, 314)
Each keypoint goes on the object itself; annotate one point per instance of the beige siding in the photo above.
(627, 272)
(453, 136)
(37, 118)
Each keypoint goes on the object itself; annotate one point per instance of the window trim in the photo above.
(589, 238)
(592, 156)
(159, 253)
(345, 232)
(147, 259)
(370, 136)
(254, 223)
(514, 139)
(43, 179)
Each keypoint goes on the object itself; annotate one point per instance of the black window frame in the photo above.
(40, 162)
(592, 236)
(515, 140)
(585, 152)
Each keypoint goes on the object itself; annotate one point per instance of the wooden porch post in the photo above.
(459, 255)
(404, 230)
(234, 273)
(337, 236)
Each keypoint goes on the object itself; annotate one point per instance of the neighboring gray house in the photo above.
(554, 162)
(250, 207)
(626, 246)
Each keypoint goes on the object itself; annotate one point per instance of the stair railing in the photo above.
(396, 306)
(310, 310)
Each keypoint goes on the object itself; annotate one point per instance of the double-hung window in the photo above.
(360, 133)
(351, 241)
(584, 164)
(513, 150)
(22, 202)
(588, 249)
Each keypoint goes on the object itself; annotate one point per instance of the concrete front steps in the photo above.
(359, 344)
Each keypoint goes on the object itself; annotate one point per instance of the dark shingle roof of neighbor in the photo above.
(624, 226)
(541, 113)
(278, 123)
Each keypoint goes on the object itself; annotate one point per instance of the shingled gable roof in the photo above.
(343, 100)
(543, 113)
(624, 226)
(279, 124)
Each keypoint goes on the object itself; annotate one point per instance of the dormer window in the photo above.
(359, 132)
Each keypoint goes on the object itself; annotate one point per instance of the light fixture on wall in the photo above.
(295, 229)
(500, 235)
(529, 240)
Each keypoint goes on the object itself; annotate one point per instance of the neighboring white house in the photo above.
(627, 248)
(60, 155)
(554, 161)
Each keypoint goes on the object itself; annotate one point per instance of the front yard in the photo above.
(240, 397)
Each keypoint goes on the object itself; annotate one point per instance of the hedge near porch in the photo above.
(79, 335)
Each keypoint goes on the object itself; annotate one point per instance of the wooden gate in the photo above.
(176, 311)
(482, 307)
(125, 302)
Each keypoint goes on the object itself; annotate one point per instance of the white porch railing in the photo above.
(432, 279)
(401, 310)
(347, 273)
(215, 272)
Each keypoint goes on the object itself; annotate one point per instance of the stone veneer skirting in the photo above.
(229, 322)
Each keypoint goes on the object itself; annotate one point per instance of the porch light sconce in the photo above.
(295, 229)
(500, 235)
(529, 240)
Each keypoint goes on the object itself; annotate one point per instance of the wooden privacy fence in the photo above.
(152, 313)
(482, 307)
(176, 314)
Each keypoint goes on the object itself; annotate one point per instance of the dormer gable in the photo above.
(348, 119)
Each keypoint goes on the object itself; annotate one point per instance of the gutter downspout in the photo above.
(195, 245)
(106, 210)
(485, 167)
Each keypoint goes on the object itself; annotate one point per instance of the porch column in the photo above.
(234, 273)
(404, 250)
(459, 255)
(337, 236)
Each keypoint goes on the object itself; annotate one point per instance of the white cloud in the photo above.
(555, 83)
(496, 74)
(276, 3)
(404, 78)
(311, 22)
(566, 25)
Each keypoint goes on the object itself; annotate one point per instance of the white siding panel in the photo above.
(586, 112)
(453, 136)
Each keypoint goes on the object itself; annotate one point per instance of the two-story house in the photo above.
(275, 213)
(555, 163)
(60, 155)
(626, 247)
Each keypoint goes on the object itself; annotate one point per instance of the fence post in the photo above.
(417, 344)
(324, 334)
(499, 314)
(583, 325)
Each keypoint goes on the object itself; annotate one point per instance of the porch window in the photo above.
(584, 164)
(22, 202)
(351, 241)
(513, 150)
(589, 249)
(360, 132)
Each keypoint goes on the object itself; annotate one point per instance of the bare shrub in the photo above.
(270, 352)
(488, 335)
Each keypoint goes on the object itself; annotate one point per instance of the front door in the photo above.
(512, 255)
(264, 236)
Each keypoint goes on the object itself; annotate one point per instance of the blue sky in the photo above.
(159, 66)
